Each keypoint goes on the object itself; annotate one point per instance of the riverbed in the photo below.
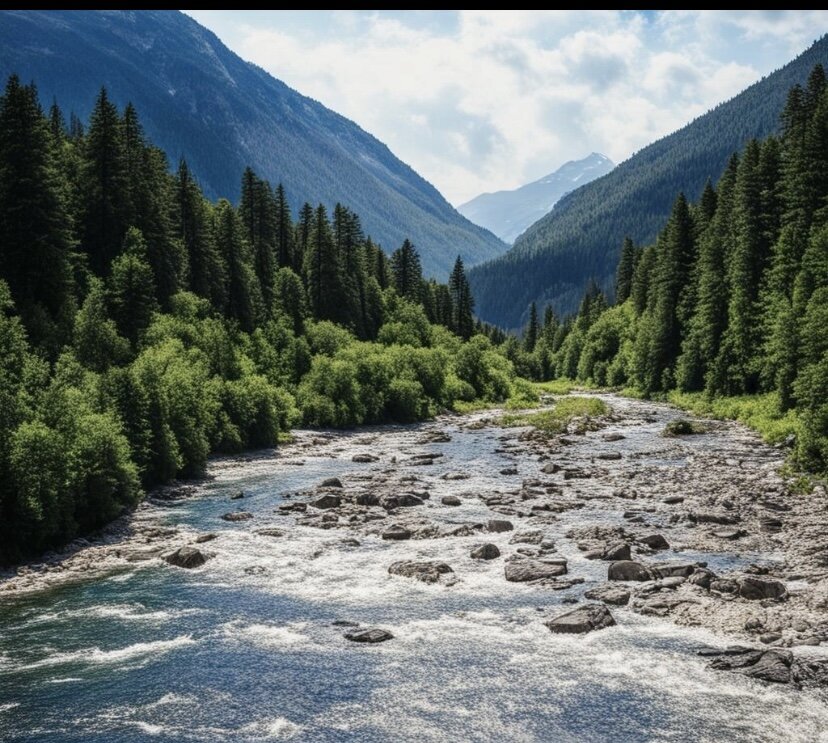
(111, 643)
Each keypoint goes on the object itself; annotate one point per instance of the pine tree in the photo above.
(323, 273)
(284, 229)
(207, 274)
(530, 336)
(241, 299)
(258, 216)
(304, 228)
(462, 302)
(35, 242)
(626, 269)
(131, 288)
(105, 188)
(406, 271)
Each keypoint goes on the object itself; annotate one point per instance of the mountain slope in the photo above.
(199, 100)
(581, 238)
(508, 213)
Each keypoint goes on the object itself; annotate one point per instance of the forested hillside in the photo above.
(143, 327)
(201, 101)
(728, 307)
(554, 259)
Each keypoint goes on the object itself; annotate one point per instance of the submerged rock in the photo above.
(509, 471)
(427, 571)
(237, 516)
(372, 635)
(485, 552)
(364, 458)
(628, 570)
(755, 589)
(609, 593)
(327, 501)
(187, 557)
(773, 665)
(270, 532)
(582, 620)
(499, 525)
(396, 532)
(237, 496)
(523, 570)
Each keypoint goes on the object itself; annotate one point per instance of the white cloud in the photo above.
(482, 100)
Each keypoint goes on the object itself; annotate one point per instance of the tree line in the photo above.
(143, 327)
(731, 299)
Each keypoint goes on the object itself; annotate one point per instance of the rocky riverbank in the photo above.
(700, 530)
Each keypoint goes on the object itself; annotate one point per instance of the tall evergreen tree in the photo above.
(462, 302)
(131, 288)
(105, 189)
(241, 298)
(323, 273)
(626, 269)
(284, 229)
(530, 336)
(407, 271)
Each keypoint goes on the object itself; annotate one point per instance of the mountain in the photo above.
(581, 237)
(199, 100)
(508, 213)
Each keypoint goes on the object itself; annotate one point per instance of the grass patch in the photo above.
(557, 418)
(683, 427)
(556, 386)
(759, 412)
(474, 406)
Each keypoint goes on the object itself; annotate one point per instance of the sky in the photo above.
(479, 101)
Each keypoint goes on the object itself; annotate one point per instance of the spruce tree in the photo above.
(462, 302)
(131, 288)
(530, 336)
(406, 271)
(233, 247)
(624, 274)
(284, 229)
(323, 273)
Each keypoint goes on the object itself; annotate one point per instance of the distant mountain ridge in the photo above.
(199, 100)
(508, 213)
(581, 238)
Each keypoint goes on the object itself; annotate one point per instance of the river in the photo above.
(245, 648)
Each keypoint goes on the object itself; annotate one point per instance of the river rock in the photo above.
(364, 458)
(293, 507)
(655, 542)
(270, 532)
(770, 524)
(450, 476)
(396, 532)
(765, 665)
(728, 533)
(755, 589)
(609, 456)
(616, 552)
(523, 570)
(609, 593)
(372, 635)
(613, 437)
(187, 557)
(672, 500)
(536, 537)
(551, 468)
(714, 517)
(202, 538)
(327, 501)
(427, 571)
(237, 496)
(331, 482)
(673, 569)
(582, 620)
(498, 525)
(402, 500)
(701, 577)
(237, 516)
(450, 500)
(628, 570)
(485, 552)
(509, 471)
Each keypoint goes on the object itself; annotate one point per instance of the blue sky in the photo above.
(482, 100)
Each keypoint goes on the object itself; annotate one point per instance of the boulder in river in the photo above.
(402, 500)
(364, 458)
(237, 516)
(609, 593)
(327, 501)
(396, 532)
(509, 471)
(485, 552)
(655, 542)
(672, 500)
(729, 534)
(617, 551)
(270, 532)
(584, 619)
(773, 665)
(714, 517)
(456, 476)
(523, 570)
(498, 525)
(427, 571)
(551, 468)
(186, 557)
(701, 577)
(628, 570)
(331, 482)
(201, 538)
(673, 569)
(238, 495)
(372, 635)
(754, 589)
(450, 500)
